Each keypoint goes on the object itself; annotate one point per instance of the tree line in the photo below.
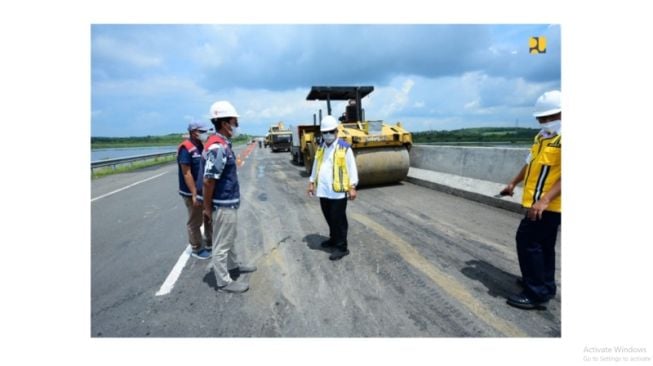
(482, 134)
(143, 141)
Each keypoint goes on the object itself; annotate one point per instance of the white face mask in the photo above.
(203, 136)
(329, 138)
(551, 127)
(234, 132)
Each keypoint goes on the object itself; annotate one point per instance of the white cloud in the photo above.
(113, 50)
(152, 86)
(266, 71)
(472, 105)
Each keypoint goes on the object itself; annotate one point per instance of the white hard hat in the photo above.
(328, 123)
(222, 108)
(548, 104)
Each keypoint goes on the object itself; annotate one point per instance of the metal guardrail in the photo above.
(127, 160)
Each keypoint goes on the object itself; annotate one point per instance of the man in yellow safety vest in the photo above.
(538, 230)
(334, 177)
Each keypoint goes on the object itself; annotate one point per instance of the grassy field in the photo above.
(104, 171)
(478, 136)
(97, 143)
(147, 141)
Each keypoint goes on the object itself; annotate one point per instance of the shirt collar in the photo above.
(223, 137)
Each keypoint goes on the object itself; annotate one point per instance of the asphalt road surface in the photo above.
(422, 263)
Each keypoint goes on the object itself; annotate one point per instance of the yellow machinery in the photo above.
(381, 149)
(279, 137)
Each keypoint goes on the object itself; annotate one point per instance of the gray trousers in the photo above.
(224, 239)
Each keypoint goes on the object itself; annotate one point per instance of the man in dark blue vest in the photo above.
(219, 189)
(189, 157)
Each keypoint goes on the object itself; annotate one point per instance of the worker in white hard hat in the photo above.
(333, 179)
(538, 231)
(189, 157)
(219, 190)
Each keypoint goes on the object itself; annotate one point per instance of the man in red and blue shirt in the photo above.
(189, 156)
(220, 191)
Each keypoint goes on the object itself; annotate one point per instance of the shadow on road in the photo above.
(313, 242)
(498, 282)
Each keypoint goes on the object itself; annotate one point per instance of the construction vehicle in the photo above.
(279, 137)
(381, 149)
(301, 136)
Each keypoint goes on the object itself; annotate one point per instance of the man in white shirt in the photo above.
(334, 178)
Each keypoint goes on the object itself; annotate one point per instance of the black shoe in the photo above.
(524, 302)
(520, 282)
(338, 253)
(243, 268)
(327, 244)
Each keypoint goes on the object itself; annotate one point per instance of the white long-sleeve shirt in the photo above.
(324, 187)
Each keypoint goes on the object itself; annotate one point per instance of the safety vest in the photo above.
(340, 173)
(190, 147)
(226, 192)
(544, 169)
(194, 165)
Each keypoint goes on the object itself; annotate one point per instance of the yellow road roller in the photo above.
(381, 149)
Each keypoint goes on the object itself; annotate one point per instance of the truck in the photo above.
(301, 135)
(279, 137)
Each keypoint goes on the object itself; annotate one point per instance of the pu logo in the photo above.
(537, 45)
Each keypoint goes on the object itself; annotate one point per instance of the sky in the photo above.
(155, 79)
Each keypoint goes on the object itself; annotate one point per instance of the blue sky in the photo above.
(154, 79)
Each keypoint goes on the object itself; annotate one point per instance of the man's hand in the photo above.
(207, 212)
(311, 189)
(535, 212)
(508, 191)
(352, 193)
(196, 202)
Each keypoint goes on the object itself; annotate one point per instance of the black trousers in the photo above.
(336, 217)
(536, 252)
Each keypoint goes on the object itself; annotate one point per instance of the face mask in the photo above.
(234, 132)
(203, 136)
(551, 127)
(329, 137)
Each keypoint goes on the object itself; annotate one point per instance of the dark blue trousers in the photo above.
(536, 252)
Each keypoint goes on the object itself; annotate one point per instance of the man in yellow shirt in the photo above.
(538, 230)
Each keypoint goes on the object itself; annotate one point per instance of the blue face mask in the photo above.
(329, 137)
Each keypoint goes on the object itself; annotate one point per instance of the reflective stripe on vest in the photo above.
(544, 170)
(214, 139)
(340, 173)
(190, 147)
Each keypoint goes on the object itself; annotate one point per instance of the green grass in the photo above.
(478, 136)
(149, 141)
(128, 167)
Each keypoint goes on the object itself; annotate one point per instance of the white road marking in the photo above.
(129, 186)
(172, 278)
(169, 283)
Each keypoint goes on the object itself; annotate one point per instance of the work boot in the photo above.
(338, 253)
(327, 244)
(246, 269)
(234, 287)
